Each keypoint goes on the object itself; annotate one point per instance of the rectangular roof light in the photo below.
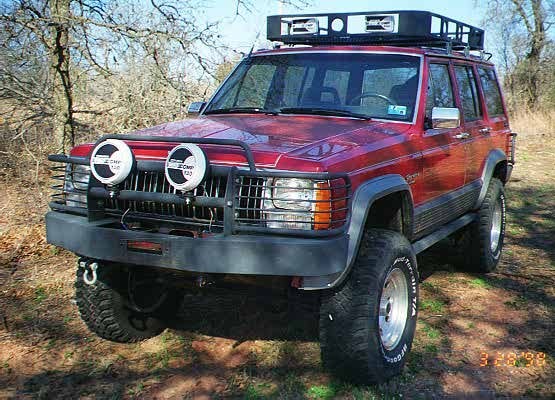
(380, 23)
(301, 26)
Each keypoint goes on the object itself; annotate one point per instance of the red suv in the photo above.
(325, 164)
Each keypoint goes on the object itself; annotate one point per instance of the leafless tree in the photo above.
(54, 48)
(521, 30)
(90, 36)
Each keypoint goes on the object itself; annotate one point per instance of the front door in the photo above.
(443, 154)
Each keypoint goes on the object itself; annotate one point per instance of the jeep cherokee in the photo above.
(325, 164)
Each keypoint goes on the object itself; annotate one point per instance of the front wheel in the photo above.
(124, 304)
(367, 325)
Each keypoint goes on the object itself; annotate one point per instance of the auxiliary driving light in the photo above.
(111, 161)
(186, 167)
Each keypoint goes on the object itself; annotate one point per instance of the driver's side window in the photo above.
(440, 89)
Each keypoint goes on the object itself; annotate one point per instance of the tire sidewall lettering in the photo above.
(398, 354)
(501, 197)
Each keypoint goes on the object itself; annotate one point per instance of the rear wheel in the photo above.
(124, 305)
(483, 239)
(367, 325)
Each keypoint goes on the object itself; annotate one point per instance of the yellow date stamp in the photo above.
(526, 359)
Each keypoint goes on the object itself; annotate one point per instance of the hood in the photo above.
(313, 138)
(275, 141)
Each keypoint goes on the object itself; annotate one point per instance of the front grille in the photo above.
(230, 201)
(214, 186)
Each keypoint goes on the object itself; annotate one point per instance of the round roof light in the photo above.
(337, 25)
(186, 167)
(111, 161)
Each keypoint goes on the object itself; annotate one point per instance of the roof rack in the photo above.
(391, 28)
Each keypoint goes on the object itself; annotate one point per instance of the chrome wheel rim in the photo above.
(394, 303)
(496, 223)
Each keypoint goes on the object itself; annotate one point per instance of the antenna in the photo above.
(254, 44)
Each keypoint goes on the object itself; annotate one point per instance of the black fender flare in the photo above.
(363, 199)
(493, 159)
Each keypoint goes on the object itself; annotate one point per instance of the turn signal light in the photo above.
(322, 209)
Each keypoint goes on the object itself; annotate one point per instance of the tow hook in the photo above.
(89, 276)
(204, 281)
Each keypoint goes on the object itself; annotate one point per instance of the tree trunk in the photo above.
(62, 95)
(537, 45)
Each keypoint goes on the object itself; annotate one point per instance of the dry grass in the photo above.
(527, 123)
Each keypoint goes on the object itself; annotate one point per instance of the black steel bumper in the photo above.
(235, 254)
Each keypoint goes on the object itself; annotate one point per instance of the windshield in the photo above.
(382, 86)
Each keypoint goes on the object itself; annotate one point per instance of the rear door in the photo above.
(476, 132)
(496, 115)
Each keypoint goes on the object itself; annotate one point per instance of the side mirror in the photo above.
(443, 118)
(195, 108)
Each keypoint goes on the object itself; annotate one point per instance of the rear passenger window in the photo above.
(468, 93)
(440, 90)
(491, 91)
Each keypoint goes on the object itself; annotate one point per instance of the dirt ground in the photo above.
(251, 349)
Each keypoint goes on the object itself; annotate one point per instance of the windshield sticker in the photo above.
(397, 110)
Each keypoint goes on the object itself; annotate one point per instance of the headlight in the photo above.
(293, 194)
(292, 203)
(75, 185)
(80, 175)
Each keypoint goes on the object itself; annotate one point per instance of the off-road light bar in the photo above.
(390, 28)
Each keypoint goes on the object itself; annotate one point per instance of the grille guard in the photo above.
(229, 203)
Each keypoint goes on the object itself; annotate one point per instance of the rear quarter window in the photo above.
(492, 92)
(468, 92)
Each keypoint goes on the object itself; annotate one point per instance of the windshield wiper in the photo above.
(240, 110)
(322, 111)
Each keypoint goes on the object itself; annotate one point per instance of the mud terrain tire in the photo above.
(351, 340)
(106, 309)
(483, 248)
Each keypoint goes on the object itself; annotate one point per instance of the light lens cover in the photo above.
(111, 161)
(75, 185)
(323, 206)
(80, 175)
(186, 167)
(302, 26)
(278, 219)
(293, 203)
(293, 193)
(380, 23)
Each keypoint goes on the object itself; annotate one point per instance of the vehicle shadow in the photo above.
(247, 316)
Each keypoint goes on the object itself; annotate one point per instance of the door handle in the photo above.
(463, 135)
(485, 130)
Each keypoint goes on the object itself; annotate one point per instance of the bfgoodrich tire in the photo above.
(367, 325)
(108, 308)
(485, 236)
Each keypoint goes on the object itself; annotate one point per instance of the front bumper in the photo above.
(235, 254)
